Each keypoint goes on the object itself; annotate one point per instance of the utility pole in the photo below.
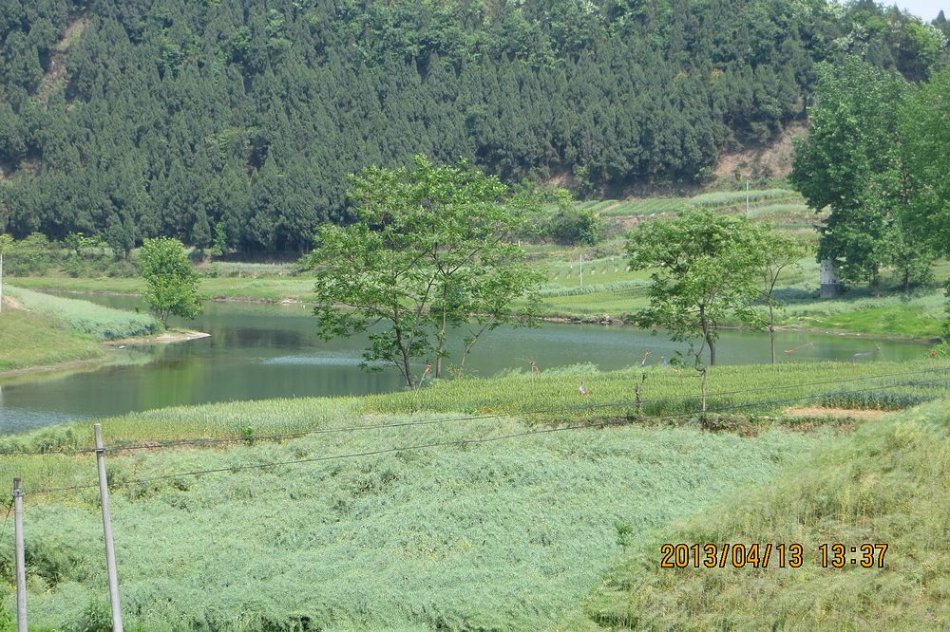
(107, 532)
(20, 557)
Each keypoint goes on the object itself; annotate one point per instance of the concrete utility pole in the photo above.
(20, 557)
(107, 532)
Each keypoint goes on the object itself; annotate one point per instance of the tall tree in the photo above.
(705, 272)
(171, 283)
(429, 252)
(925, 145)
(851, 163)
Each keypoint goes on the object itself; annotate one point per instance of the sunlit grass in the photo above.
(104, 323)
(502, 535)
(889, 483)
(28, 340)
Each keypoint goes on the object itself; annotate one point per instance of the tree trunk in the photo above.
(712, 349)
(771, 333)
(440, 350)
(772, 343)
(407, 370)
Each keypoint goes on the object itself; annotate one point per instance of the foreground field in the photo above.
(889, 484)
(506, 534)
(472, 504)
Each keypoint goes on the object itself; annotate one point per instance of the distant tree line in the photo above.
(232, 125)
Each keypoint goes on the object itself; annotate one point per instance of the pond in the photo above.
(263, 351)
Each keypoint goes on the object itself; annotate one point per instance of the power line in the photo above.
(153, 445)
(457, 442)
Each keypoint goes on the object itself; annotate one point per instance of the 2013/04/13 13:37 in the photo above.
(755, 555)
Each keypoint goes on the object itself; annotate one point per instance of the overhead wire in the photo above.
(155, 445)
(447, 443)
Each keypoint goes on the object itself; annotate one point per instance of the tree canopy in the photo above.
(232, 125)
(171, 283)
(874, 157)
(706, 270)
(428, 258)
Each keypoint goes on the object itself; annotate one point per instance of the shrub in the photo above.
(572, 226)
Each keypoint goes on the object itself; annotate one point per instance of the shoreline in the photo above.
(164, 338)
(168, 337)
(574, 319)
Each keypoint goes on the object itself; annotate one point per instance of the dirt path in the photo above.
(835, 413)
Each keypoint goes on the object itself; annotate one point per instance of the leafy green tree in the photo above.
(570, 225)
(925, 150)
(171, 283)
(851, 163)
(705, 271)
(429, 254)
(779, 253)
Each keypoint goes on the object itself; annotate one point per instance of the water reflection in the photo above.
(258, 351)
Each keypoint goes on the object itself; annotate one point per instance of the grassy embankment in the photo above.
(39, 329)
(608, 287)
(491, 528)
(888, 483)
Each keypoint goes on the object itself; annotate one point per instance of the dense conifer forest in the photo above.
(234, 125)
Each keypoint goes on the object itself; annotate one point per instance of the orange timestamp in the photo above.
(769, 555)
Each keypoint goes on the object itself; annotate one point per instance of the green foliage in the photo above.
(264, 109)
(852, 163)
(924, 141)
(706, 269)
(100, 322)
(886, 483)
(171, 283)
(572, 226)
(430, 252)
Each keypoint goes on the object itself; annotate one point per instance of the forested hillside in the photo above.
(234, 124)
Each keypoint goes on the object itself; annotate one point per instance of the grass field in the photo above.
(889, 483)
(102, 323)
(28, 340)
(473, 504)
(506, 535)
(750, 397)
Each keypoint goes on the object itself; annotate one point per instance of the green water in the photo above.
(264, 351)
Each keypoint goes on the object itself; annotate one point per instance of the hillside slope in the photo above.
(235, 124)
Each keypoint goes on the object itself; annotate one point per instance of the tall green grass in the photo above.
(508, 535)
(549, 397)
(28, 340)
(100, 322)
(889, 483)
